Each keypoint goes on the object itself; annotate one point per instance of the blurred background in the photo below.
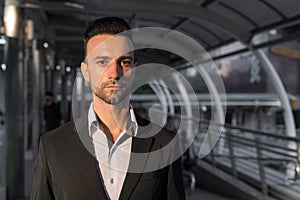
(255, 46)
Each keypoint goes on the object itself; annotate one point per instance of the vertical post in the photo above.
(2, 157)
(212, 155)
(287, 111)
(13, 100)
(231, 155)
(14, 119)
(13, 103)
(63, 103)
(51, 73)
(26, 119)
(217, 107)
(36, 94)
(264, 186)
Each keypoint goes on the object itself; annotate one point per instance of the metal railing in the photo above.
(261, 158)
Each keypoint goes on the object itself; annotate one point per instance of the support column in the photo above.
(37, 92)
(14, 119)
(217, 110)
(286, 106)
(13, 100)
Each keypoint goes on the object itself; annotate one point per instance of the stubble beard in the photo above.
(109, 97)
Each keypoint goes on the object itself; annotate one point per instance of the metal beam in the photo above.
(291, 37)
(278, 25)
(141, 6)
(286, 106)
(179, 23)
(190, 11)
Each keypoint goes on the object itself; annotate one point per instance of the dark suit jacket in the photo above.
(66, 169)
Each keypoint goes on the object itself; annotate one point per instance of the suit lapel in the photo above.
(84, 151)
(136, 163)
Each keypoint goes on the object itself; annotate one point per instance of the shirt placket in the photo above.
(113, 172)
(114, 158)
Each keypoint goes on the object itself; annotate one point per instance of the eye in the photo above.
(102, 62)
(126, 63)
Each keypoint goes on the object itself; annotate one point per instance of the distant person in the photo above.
(52, 115)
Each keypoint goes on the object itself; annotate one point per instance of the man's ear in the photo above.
(84, 71)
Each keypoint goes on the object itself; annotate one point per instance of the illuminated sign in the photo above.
(289, 53)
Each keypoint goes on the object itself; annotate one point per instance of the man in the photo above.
(52, 115)
(98, 156)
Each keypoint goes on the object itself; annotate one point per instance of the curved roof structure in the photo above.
(213, 23)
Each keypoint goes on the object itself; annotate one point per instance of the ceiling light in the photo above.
(3, 66)
(2, 39)
(45, 45)
(273, 32)
(11, 20)
(68, 69)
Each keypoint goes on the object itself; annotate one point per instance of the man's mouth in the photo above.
(114, 87)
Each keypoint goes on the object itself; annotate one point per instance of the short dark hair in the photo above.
(105, 25)
(48, 93)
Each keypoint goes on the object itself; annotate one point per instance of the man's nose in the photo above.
(115, 70)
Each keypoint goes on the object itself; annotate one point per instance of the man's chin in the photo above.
(113, 100)
(117, 100)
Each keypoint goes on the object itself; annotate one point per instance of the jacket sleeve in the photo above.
(175, 181)
(42, 183)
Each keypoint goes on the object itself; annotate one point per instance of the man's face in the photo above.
(108, 59)
(48, 99)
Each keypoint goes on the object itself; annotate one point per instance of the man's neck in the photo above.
(113, 118)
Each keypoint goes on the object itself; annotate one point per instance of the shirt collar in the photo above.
(92, 121)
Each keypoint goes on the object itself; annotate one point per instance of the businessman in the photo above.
(94, 157)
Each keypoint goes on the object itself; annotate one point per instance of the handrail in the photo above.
(269, 150)
(252, 158)
(263, 146)
(232, 136)
(268, 144)
(242, 128)
(253, 131)
(246, 141)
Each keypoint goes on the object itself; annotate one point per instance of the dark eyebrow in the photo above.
(125, 57)
(102, 57)
(97, 57)
(109, 58)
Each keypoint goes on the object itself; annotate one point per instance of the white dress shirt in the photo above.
(113, 158)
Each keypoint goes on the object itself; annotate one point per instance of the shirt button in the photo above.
(112, 181)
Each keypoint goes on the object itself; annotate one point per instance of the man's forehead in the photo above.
(114, 43)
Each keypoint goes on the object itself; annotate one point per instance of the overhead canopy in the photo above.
(213, 23)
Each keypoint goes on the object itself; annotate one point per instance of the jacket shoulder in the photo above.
(59, 134)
